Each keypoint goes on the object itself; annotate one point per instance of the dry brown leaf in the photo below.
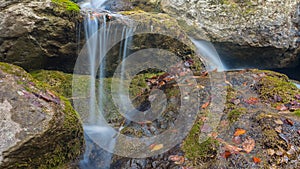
(278, 121)
(239, 132)
(177, 159)
(248, 144)
(156, 147)
(232, 149)
(278, 129)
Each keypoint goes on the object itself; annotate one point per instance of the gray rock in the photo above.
(270, 24)
(33, 33)
(38, 129)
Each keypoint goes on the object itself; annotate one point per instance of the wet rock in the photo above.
(39, 129)
(39, 34)
(243, 30)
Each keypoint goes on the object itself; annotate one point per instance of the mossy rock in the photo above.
(199, 153)
(66, 5)
(44, 129)
(276, 85)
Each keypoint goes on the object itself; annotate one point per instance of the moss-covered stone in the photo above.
(58, 81)
(196, 152)
(49, 133)
(276, 84)
(67, 5)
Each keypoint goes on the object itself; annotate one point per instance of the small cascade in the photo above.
(93, 4)
(99, 34)
(209, 53)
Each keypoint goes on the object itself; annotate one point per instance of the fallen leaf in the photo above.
(290, 122)
(232, 149)
(256, 160)
(156, 147)
(177, 159)
(278, 129)
(278, 121)
(239, 132)
(248, 145)
(226, 154)
(205, 105)
(252, 100)
(281, 107)
(271, 152)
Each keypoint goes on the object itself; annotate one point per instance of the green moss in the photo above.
(67, 5)
(297, 113)
(199, 152)
(270, 86)
(58, 81)
(270, 138)
(235, 114)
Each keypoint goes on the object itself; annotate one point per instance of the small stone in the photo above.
(20, 93)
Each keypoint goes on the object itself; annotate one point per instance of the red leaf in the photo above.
(252, 100)
(226, 154)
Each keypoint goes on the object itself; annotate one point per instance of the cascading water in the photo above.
(99, 33)
(209, 53)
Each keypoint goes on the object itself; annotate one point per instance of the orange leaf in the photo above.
(239, 132)
(281, 108)
(252, 100)
(256, 160)
(205, 105)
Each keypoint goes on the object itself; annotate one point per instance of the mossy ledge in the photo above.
(66, 5)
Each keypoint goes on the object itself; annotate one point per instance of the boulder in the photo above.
(39, 128)
(267, 31)
(39, 34)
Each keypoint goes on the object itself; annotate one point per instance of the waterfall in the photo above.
(99, 33)
(93, 4)
(209, 53)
